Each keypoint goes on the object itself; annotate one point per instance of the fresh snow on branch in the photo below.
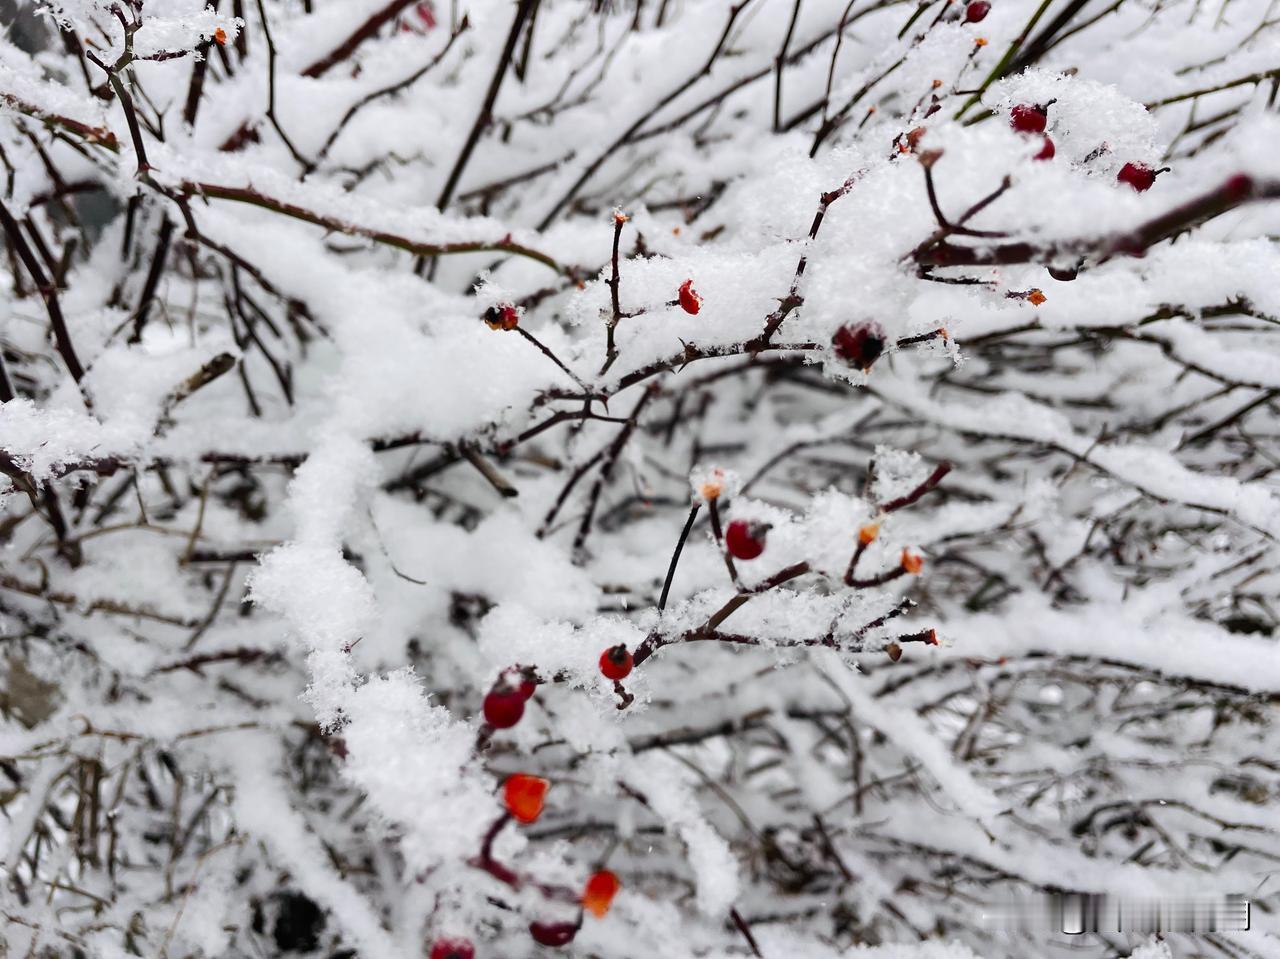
(499, 478)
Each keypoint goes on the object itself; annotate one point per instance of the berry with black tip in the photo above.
(504, 317)
(1028, 118)
(1137, 175)
(616, 662)
(745, 539)
(859, 344)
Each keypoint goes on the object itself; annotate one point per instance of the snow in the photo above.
(249, 635)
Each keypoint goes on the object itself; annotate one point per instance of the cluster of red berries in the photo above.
(1032, 118)
(597, 897)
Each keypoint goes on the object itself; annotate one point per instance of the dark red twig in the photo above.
(934, 478)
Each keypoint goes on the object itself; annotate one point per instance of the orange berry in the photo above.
(1036, 297)
(867, 534)
(220, 37)
(524, 796)
(912, 562)
(599, 892)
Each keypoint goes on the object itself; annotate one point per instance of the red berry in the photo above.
(1046, 151)
(553, 933)
(521, 679)
(859, 345)
(616, 662)
(977, 11)
(524, 796)
(690, 301)
(453, 949)
(1028, 118)
(503, 707)
(599, 892)
(745, 539)
(502, 317)
(1137, 175)
(1238, 187)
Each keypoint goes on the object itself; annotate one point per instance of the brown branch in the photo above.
(614, 282)
(242, 655)
(271, 91)
(388, 91)
(256, 198)
(61, 335)
(793, 299)
(487, 470)
(1235, 191)
(779, 63)
(153, 279)
(546, 351)
(675, 556)
(99, 136)
(486, 109)
(635, 127)
(718, 532)
(606, 470)
(210, 371)
(746, 932)
(929, 484)
(1251, 78)
(741, 599)
(251, 196)
(362, 33)
(97, 605)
